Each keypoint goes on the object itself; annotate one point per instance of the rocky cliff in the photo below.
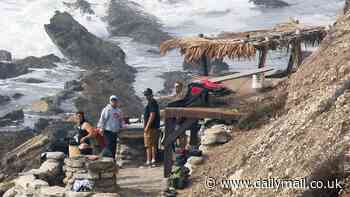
(104, 62)
(308, 141)
(127, 19)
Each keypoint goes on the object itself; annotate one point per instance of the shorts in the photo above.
(151, 138)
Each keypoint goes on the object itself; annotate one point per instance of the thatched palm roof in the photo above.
(244, 45)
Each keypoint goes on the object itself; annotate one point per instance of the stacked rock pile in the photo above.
(130, 151)
(100, 173)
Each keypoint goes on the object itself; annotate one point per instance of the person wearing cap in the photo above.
(151, 127)
(110, 122)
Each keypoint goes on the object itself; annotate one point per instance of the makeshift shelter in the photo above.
(246, 45)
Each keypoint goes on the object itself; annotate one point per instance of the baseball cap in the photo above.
(113, 97)
(148, 92)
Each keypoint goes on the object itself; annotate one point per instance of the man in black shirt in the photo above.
(151, 127)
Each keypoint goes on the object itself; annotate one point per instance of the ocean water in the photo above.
(23, 34)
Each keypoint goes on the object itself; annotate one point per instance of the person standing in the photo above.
(111, 121)
(151, 127)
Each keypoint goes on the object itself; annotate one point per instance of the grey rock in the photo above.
(74, 162)
(106, 195)
(79, 45)
(54, 191)
(73, 85)
(78, 194)
(10, 70)
(17, 95)
(58, 156)
(101, 164)
(31, 80)
(9, 118)
(140, 26)
(5, 56)
(47, 61)
(4, 99)
(270, 3)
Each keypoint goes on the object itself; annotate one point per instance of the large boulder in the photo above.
(9, 70)
(47, 61)
(127, 19)
(13, 116)
(5, 56)
(79, 45)
(270, 3)
(21, 66)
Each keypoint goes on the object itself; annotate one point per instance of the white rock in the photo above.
(215, 138)
(59, 156)
(10, 193)
(54, 191)
(106, 195)
(24, 181)
(37, 184)
(195, 161)
(78, 194)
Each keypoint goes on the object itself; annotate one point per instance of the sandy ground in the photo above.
(141, 182)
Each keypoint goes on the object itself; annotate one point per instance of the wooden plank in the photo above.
(168, 152)
(240, 75)
(177, 133)
(200, 112)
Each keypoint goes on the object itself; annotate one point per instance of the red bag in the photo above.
(100, 138)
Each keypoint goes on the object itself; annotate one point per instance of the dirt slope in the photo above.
(308, 141)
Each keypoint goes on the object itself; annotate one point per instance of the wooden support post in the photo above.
(168, 152)
(204, 62)
(180, 131)
(262, 57)
(170, 136)
(298, 53)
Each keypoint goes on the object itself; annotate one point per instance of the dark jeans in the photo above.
(111, 144)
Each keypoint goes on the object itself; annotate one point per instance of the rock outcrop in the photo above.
(9, 70)
(83, 5)
(270, 3)
(21, 66)
(47, 61)
(107, 73)
(11, 117)
(79, 45)
(5, 56)
(27, 156)
(127, 19)
(4, 99)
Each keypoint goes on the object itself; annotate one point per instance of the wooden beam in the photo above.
(200, 113)
(177, 133)
(168, 152)
(240, 75)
